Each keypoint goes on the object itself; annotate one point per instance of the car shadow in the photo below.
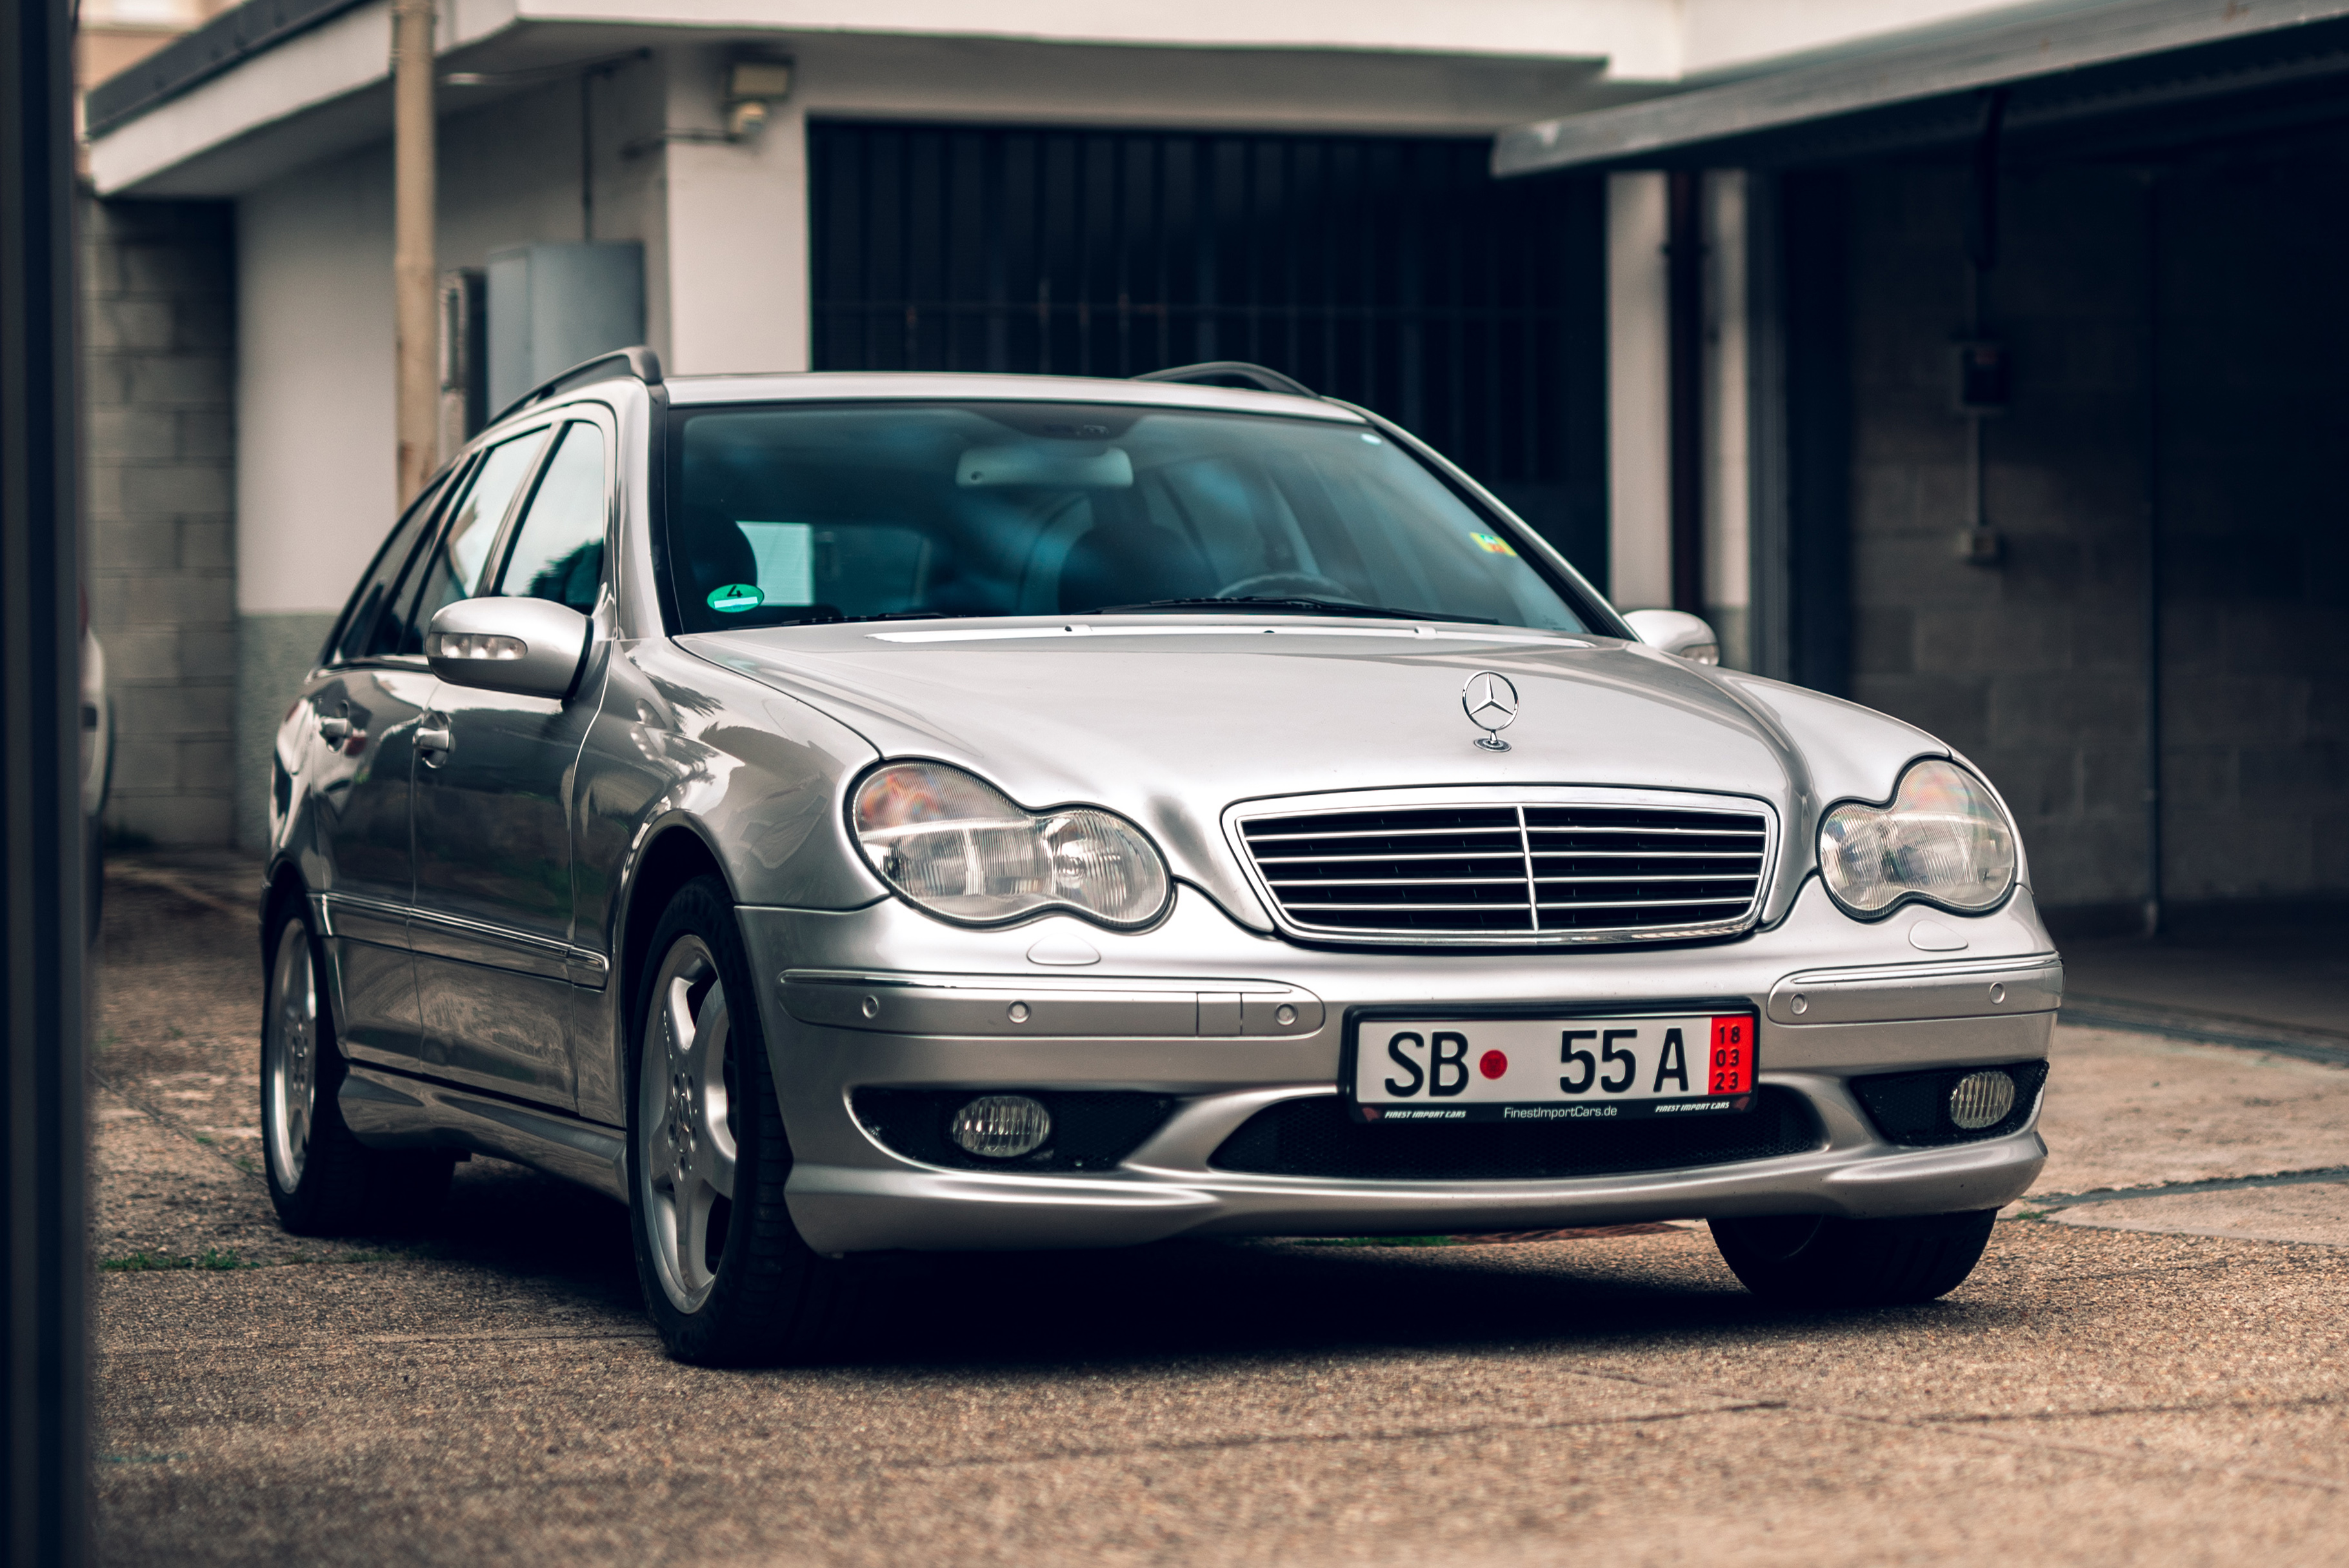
(1184, 1299)
(533, 1229)
(1173, 1299)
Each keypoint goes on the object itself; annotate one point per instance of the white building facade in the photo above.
(607, 122)
(1637, 263)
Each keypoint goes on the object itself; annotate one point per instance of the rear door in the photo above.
(360, 710)
(492, 924)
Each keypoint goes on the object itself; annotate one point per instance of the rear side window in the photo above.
(558, 550)
(453, 572)
(355, 635)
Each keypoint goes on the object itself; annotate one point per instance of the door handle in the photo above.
(433, 741)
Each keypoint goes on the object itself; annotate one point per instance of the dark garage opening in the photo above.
(1391, 272)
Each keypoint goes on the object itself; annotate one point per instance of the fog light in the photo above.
(1981, 1099)
(1006, 1126)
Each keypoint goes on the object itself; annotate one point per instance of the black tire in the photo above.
(1811, 1260)
(769, 1298)
(338, 1186)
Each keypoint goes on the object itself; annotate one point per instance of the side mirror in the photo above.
(528, 647)
(1675, 631)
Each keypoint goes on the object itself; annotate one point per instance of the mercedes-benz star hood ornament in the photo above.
(1491, 703)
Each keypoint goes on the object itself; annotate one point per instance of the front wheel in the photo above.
(724, 1271)
(1812, 1260)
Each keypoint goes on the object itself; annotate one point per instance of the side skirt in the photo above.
(392, 1110)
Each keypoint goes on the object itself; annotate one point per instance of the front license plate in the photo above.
(1551, 1069)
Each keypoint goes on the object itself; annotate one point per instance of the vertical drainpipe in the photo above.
(416, 355)
(1684, 310)
(587, 157)
(1769, 450)
(2153, 892)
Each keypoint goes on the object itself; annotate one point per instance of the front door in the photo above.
(492, 922)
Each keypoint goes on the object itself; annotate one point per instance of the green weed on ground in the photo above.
(209, 1258)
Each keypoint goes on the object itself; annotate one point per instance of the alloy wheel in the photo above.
(289, 1055)
(685, 1131)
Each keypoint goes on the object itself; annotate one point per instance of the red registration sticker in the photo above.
(1731, 1069)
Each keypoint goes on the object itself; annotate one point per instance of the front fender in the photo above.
(753, 780)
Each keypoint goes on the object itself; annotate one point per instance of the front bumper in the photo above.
(1229, 1022)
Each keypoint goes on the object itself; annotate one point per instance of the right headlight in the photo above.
(959, 848)
(1942, 840)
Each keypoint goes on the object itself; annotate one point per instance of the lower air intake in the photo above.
(1315, 1138)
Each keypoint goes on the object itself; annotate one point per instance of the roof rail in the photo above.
(639, 362)
(1231, 373)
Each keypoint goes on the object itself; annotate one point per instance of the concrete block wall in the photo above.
(2214, 289)
(158, 330)
(2032, 667)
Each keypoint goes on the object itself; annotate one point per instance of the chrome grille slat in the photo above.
(1593, 872)
(1486, 882)
(1624, 881)
(1518, 881)
(1634, 903)
(1512, 855)
(1357, 908)
(1509, 833)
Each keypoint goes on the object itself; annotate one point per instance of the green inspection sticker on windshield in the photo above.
(736, 597)
(1492, 545)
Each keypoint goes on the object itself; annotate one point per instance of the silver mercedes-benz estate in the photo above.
(839, 813)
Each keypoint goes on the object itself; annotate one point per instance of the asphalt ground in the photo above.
(2147, 1366)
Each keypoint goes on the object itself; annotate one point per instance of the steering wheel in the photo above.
(1279, 584)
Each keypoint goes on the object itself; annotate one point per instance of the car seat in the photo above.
(715, 553)
(1125, 560)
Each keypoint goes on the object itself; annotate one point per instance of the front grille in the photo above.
(1512, 872)
(1315, 1136)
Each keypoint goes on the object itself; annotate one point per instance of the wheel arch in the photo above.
(284, 887)
(675, 854)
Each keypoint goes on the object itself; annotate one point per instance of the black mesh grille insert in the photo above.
(1509, 870)
(1315, 1138)
(1092, 1129)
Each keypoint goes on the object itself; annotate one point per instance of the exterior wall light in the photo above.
(753, 87)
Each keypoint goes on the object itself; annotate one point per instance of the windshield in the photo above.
(788, 514)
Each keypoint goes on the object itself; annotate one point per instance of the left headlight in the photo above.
(957, 847)
(1943, 839)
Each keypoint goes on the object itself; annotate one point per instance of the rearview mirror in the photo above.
(1677, 632)
(528, 647)
(1061, 467)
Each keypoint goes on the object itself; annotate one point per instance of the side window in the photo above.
(454, 568)
(558, 550)
(355, 635)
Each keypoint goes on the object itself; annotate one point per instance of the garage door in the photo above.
(1393, 273)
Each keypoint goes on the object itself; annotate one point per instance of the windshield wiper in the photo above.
(1297, 606)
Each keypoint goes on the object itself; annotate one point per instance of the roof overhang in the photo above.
(1498, 31)
(278, 85)
(2115, 70)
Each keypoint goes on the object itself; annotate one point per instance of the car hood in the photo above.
(1169, 721)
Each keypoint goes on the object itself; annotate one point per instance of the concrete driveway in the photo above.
(2131, 1379)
